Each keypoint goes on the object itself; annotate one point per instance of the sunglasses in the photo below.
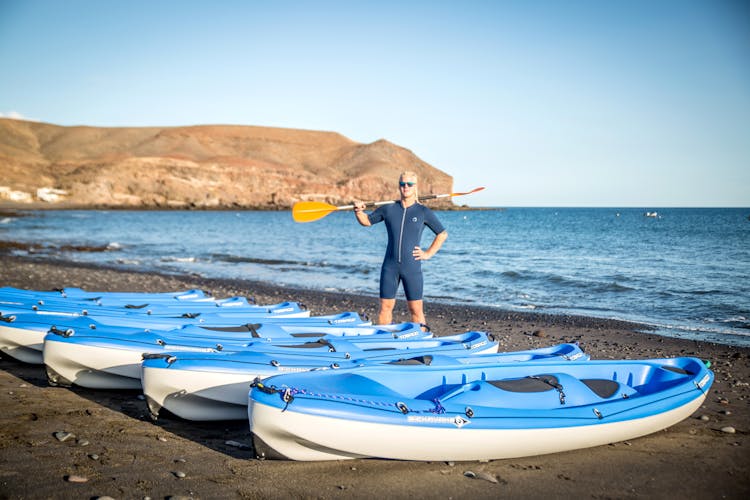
(410, 184)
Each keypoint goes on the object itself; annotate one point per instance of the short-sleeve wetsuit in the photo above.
(404, 233)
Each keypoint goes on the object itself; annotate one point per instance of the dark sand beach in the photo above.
(117, 451)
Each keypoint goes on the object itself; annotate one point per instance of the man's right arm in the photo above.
(360, 214)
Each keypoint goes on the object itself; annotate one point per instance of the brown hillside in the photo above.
(207, 166)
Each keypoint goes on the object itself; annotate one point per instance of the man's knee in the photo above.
(416, 308)
(387, 304)
(415, 305)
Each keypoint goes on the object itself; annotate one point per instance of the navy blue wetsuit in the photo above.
(404, 233)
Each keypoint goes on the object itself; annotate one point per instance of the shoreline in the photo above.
(136, 457)
(366, 301)
(300, 294)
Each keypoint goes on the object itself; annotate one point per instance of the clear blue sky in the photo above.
(642, 103)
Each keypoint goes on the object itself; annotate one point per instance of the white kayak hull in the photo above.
(471, 412)
(315, 437)
(92, 366)
(23, 344)
(198, 396)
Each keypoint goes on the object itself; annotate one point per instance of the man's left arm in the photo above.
(440, 238)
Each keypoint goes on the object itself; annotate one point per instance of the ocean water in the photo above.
(685, 271)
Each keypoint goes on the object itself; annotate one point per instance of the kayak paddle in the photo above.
(309, 211)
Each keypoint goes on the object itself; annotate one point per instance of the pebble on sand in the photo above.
(237, 444)
(728, 430)
(63, 435)
(76, 479)
(481, 475)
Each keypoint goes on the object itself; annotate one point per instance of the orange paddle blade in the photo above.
(309, 211)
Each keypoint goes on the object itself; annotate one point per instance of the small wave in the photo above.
(596, 286)
(736, 318)
(701, 332)
(616, 287)
(6, 220)
(47, 249)
(129, 262)
(84, 248)
(740, 322)
(290, 265)
(236, 259)
(178, 259)
(20, 246)
(704, 292)
(442, 297)
(697, 292)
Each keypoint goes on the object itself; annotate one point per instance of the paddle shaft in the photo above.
(308, 211)
(388, 202)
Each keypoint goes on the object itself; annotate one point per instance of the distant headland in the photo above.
(198, 167)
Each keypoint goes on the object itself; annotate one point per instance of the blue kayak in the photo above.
(113, 361)
(471, 412)
(83, 295)
(214, 385)
(22, 335)
(234, 306)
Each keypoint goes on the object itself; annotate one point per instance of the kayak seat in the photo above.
(676, 369)
(661, 378)
(527, 384)
(511, 393)
(239, 329)
(321, 344)
(603, 388)
(546, 391)
(419, 360)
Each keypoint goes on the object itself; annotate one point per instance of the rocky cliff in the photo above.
(208, 166)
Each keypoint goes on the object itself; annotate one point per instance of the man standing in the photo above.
(404, 220)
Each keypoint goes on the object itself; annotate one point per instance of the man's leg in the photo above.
(386, 311)
(416, 308)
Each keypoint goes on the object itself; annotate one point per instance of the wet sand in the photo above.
(118, 451)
